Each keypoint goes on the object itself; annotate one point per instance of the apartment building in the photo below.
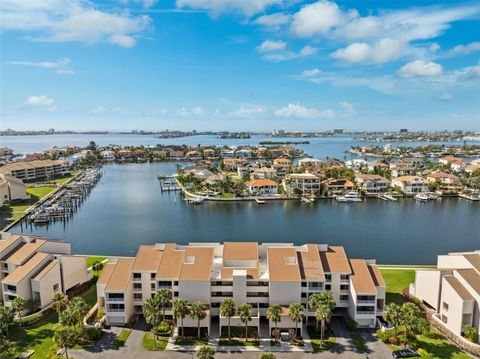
(12, 189)
(247, 272)
(452, 290)
(33, 170)
(307, 183)
(35, 268)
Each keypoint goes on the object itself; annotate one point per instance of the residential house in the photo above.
(282, 166)
(336, 186)
(310, 162)
(356, 164)
(193, 155)
(176, 155)
(262, 187)
(209, 153)
(410, 184)
(244, 153)
(231, 164)
(377, 166)
(445, 181)
(107, 155)
(372, 183)
(402, 169)
(305, 183)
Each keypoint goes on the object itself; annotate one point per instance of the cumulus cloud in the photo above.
(299, 111)
(61, 67)
(445, 97)
(308, 50)
(40, 102)
(276, 51)
(464, 49)
(380, 52)
(469, 73)
(195, 111)
(271, 45)
(75, 20)
(217, 7)
(434, 47)
(311, 73)
(420, 68)
(248, 112)
(273, 22)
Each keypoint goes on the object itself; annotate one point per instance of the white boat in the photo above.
(306, 200)
(349, 197)
(259, 201)
(390, 197)
(422, 197)
(197, 200)
(470, 196)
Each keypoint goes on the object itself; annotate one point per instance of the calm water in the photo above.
(318, 147)
(127, 209)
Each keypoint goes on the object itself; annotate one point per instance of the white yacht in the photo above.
(422, 197)
(349, 197)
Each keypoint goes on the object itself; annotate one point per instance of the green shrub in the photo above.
(424, 354)
(385, 336)
(352, 325)
(100, 314)
(471, 333)
(34, 318)
(164, 328)
(121, 339)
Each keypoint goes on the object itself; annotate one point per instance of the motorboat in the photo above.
(259, 201)
(422, 197)
(307, 200)
(349, 197)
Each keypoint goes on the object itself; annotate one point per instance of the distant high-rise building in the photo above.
(403, 130)
(51, 131)
(338, 130)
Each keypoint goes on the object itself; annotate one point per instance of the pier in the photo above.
(168, 183)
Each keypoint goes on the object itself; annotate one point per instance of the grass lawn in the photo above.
(238, 343)
(93, 259)
(150, 344)
(121, 339)
(226, 195)
(39, 192)
(90, 296)
(396, 281)
(190, 341)
(316, 344)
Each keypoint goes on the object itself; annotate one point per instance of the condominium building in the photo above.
(452, 290)
(248, 272)
(35, 269)
(32, 170)
(12, 189)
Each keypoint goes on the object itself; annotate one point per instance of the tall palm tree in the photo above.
(164, 298)
(151, 315)
(409, 318)
(322, 313)
(198, 311)
(274, 314)
(393, 314)
(227, 310)
(245, 314)
(180, 311)
(19, 305)
(79, 309)
(313, 303)
(296, 313)
(59, 303)
(65, 338)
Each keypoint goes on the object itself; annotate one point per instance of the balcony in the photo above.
(366, 313)
(137, 279)
(263, 289)
(221, 288)
(364, 301)
(115, 299)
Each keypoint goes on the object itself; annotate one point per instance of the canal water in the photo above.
(127, 208)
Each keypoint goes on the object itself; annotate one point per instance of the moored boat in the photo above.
(349, 197)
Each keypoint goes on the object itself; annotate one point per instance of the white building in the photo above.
(410, 184)
(262, 187)
(12, 189)
(372, 183)
(107, 155)
(33, 170)
(310, 162)
(307, 183)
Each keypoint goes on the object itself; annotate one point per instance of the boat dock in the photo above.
(168, 183)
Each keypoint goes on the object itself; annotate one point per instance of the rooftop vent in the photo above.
(190, 260)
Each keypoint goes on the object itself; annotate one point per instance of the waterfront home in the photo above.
(247, 272)
(310, 162)
(176, 155)
(282, 166)
(124, 154)
(107, 155)
(244, 153)
(458, 166)
(261, 152)
(12, 189)
(264, 173)
(227, 153)
(277, 152)
(197, 171)
(452, 290)
(356, 164)
(372, 183)
(33, 170)
(247, 168)
(303, 183)
(262, 187)
(377, 166)
(470, 168)
(402, 169)
(209, 153)
(447, 160)
(414, 161)
(193, 155)
(35, 269)
(336, 186)
(410, 184)
(215, 179)
(445, 181)
(231, 164)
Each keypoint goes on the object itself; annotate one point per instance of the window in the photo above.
(137, 275)
(304, 295)
(344, 287)
(215, 305)
(152, 276)
(328, 277)
(55, 287)
(137, 286)
(304, 284)
(328, 287)
(344, 298)
(137, 296)
(164, 284)
(445, 306)
(153, 286)
(344, 277)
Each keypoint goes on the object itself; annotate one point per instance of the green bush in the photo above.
(352, 325)
(121, 339)
(34, 318)
(164, 328)
(424, 354)
(471, 333)
(385, 336)
(100, 314)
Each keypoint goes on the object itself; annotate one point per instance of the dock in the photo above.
(168, 183)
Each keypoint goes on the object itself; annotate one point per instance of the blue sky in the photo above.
(239, 64)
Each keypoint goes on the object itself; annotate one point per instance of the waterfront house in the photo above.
(33, 170)
(447, 160)
(445, 181)
(12, 189)
(176, 155)
(356, 164)
(458, 166)
(470, 168)
(310, 162)
(372, 183)
(261, 152)
(197, 171)
(282, 166)
(264, 173)
(124, 154)
(35, 269)
(216, 178)
(193, 155)
(304, 183)
(244, 153)
(231, 164)
(402, 169)
(107, 155)
(452, 290)
(410, 184)
(336, 186)
(248, 272)
(227, 153)
(377, 166)
(209, 153)
(276, 152)
(262, 187)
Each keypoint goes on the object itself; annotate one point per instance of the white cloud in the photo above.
(470, 73)
(382, 51)
(198, 111)
(60, 67)
(347, 107)
(299, 111)
(271, 45)
(445, 97)
(420, 68)
(217, 7)
(195, 111)
(464, 49)
(311, 73)
(434, 47)
(360, 28)
(75, 20)
(273, 22)
(308, 50)
(248, 112)
(40, 102)
(99, 110)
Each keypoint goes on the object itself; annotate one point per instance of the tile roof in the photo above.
(47, 269)
(22, 271)
(245, 251)
(260, 183)
(24, 252)
(171, 264)
(6, 243)
(376, 275)
(471, 277)
(197, 264)
(335, 260)
(283, 264)
(121, 275)
(148, 258)
(474, 260)
(106, 273)
(361, 278)
(458, 287)
(310, 264)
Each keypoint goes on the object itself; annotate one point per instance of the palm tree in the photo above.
(65, 338)
(198, 311)
(6, 318)
(164, 298)
(313, 303)
(180, 311)
(409, 318)
(19, 305)
(274, 314)
(206, 352)
(79, 308)
(296, 313)
(151, 315)
(227, 310)
(60, 302)
(393, 314)
(321, 314)
(244, 312)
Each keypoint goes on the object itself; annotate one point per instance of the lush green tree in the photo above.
(198, 312)
(206, 352)
(7, 349)
(19, 305)
(97, 266)
(227, 310)
(322, 298)
(6, 319)
(267, 356)
(296, 313)
(393, 314)
(471, 333)
(67, 318)
(79, 309)
(59, 303)
(152, 315)
(409, 319)
(274, 314)
(321, 314)
(180, 311)
(65, 338)
(164, 296)
(245, 314)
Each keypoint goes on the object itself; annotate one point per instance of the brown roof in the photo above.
(47, 269)
(197, 264)
(458, 287)
(361, 278)
(442, 175)
(148, 259)
(283, 264)
(242, 251)
(171, 264)
(474, 260)
(227, 273)
(6, 243)
(24, 252)
(471, 277)
(335, 260)
(302, 176)
(106, 273)
(22, 271)
(260, 183)
(310, 263)
(121, 275)
(376, 275)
